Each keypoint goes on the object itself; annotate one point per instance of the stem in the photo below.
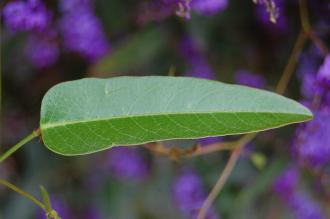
(23, 193)
(220, 183)
(222, 146)
(289, 68)
(25, 140)
(225, 174)
(304, 18)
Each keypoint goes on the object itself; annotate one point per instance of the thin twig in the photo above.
(160, 149)
(220, 183)
(225, 174)
(17, 146)
(304, 17)
(207, 149)
(23, 193)
(289, 68)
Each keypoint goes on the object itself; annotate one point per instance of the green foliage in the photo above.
(89, 115)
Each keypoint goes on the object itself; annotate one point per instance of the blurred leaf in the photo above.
(89, 115)
(259, 160)
(46, 199)
(136, 51)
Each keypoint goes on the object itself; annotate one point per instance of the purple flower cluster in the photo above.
(311, 145)
(304, 208)
(301, 206)
(128, 163)
(82, 33)
(286, 184)
(189, 195)
(42, 49)
(81, 30)
(312, 142)
(247, 78)
(29, 15)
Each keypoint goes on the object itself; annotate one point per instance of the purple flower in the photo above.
(63, 210)
(311, 145)
(128, 163)
(208, 7)
(249, 79)
(42, 50)
(302, 207)
(189, 194)
(82, 33)
(30, 15)
(287, 182)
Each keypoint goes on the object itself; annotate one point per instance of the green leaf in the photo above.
(89, 115)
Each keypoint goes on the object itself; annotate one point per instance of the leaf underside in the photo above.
(89, 115)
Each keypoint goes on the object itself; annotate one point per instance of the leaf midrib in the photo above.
(48, 125)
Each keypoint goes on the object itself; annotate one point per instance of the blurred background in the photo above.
(281, 174)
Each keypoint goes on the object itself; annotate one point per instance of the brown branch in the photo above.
(220, 183)
(175, 153)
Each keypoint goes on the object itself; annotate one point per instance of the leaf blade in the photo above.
(90, 115)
